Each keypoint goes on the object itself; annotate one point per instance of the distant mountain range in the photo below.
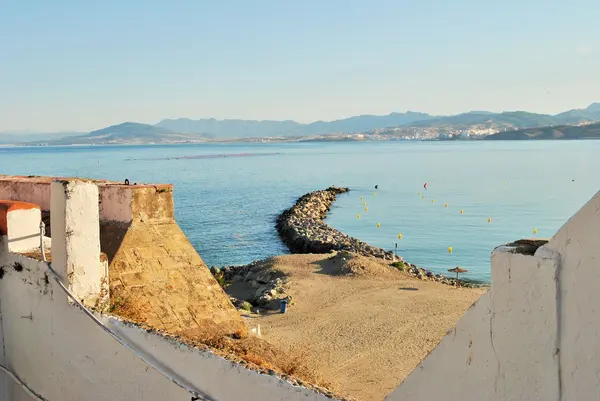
(590, 131)
(254, 129)
(257, 129)
(129, 133)
(187, 130)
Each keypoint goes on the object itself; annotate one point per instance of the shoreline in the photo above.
(303, 230)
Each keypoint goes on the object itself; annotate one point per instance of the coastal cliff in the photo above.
(303, 230)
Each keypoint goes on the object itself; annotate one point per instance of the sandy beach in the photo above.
(367, 325)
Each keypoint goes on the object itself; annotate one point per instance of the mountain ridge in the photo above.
(188, 130)
(560, 132)
(130, 133)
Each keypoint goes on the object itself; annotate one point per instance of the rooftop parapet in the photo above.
(19, 226)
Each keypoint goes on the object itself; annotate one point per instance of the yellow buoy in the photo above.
(418, 193)
(446, 205)
(378, 225)
(422, 196)
(489, 219)
(535, 230)
(504, 182)
(461, 211)
(361, 198)
(449, 249)
(366, 209)
(432, 201)
(358, 216)
(374, 193)
(400, 236)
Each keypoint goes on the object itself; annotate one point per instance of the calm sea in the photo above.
(227, 206)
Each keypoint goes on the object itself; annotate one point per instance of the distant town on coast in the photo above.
(409, 126)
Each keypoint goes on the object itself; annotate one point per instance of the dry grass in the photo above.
(284, 361)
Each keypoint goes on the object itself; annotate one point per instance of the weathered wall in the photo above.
(61, 354)
(76, 241)
(578, 244)
(534, 336)
(157, 278)
(19, 226)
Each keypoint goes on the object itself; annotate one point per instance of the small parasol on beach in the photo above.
(457, 270)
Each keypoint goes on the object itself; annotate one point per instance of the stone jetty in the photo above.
(303, 230)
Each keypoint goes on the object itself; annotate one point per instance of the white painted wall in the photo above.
(61, 354)
(578, 244)
(76, 239)
(23, 227)
(534, 335)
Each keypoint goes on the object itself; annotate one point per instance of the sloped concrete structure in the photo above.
(153, 266)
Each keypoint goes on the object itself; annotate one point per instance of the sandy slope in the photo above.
(368, 325)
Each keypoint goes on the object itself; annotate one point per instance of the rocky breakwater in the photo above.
(303, 230)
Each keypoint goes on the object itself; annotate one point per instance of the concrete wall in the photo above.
(62, 355)
(578, 244)
(534, 335)
(19, 226)
(118, 202)
(76, 239)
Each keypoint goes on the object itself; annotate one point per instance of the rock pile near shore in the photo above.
(269, 285)
(303, 230)
(424, 274)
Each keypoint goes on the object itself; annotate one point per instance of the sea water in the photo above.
(227, 205)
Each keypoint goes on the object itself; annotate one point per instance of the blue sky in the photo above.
(83, 65)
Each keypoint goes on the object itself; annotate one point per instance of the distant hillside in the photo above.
(364, 123)
(256, 129)
(515, 119)
(185, 130)
(591, 131)
(11, 138)
(128, 133)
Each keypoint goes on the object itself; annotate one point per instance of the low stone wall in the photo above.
(303, 230)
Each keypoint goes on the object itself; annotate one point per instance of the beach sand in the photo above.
(367, 325)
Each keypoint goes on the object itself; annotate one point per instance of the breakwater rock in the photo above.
(303, 230)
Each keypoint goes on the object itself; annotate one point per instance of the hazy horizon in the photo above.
(66, 131)
(74, 66)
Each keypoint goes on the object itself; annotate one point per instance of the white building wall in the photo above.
(61, 354)
(76, 239)
(534, 335)
(23, 225)
(578, 244)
